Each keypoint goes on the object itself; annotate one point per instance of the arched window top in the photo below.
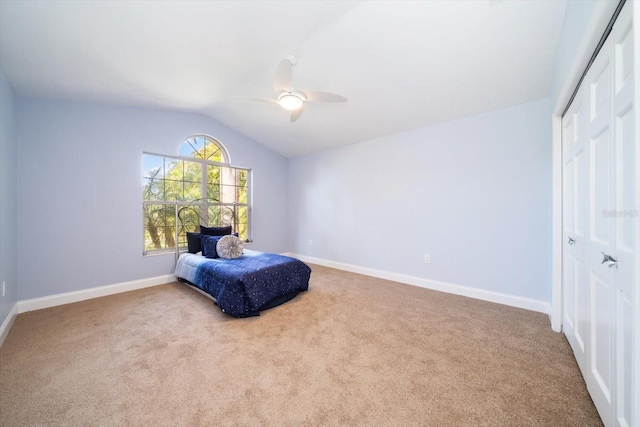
(204, 147)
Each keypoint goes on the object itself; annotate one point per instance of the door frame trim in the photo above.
(600, 18)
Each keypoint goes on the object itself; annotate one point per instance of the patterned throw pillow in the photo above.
(229, 247)
(209, 244)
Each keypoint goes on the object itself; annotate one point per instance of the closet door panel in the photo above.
(624, 359)
(599, 246)
(625, 215)
(582, 293)
(576, 300)
(599, 192)
(569, 264)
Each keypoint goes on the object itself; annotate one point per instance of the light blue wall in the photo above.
(79, 191)
(473, 193)
(8, 218)
(576, 18)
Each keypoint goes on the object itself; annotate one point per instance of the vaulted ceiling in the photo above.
(402, 65)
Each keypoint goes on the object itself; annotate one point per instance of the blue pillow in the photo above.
(194, 244)
(209, 245)
(215, 231)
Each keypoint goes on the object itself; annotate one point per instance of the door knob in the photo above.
(611, 261)
(572, 241)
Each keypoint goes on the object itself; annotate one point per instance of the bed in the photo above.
(244, 286)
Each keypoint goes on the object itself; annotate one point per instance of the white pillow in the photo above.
(229, 247)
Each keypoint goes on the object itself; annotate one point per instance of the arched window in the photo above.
(204, 147)
(198, 186)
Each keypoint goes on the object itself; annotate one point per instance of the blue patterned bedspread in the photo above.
(242, 286)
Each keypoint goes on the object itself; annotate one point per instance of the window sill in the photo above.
(159, 253)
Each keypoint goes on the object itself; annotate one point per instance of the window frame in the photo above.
(204, 192)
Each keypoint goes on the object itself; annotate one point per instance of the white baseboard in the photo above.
(8, 322)
(85, 294)
(482, 294)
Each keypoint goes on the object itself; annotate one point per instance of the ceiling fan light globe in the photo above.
(290, 101)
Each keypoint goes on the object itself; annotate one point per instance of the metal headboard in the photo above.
(190, 215)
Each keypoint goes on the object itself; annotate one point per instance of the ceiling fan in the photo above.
(295, 100)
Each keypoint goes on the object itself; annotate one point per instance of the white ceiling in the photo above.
(403, 65)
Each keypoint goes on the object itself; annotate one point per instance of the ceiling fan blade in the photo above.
(314, 95)
(247, 98)
(296, 113)
(282, 81)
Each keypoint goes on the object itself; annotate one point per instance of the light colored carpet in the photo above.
(352, 351)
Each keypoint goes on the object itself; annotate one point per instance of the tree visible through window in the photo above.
(199, 186)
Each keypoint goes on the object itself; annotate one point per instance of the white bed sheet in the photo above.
(187, 265)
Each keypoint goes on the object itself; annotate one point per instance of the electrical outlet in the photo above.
(310, 242)
(4, 288)
(427, 259)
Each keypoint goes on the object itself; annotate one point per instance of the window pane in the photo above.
(213, 174)
(153, 177)
(242, 219)
(168, 216)
(213, 192)
(192, 191)
(215, 153)
(241, 177)
(152, 189)
(153, 166)
(242, 213)
(188, 220)
(173, 179)
(159, 224)
(170, 226)
(192, 147)
(220, 216)
(228, 176)
(173, 169)
(241, 195)
(227, 215)
(173, 190)
(215, 216)
(192, 172)
(243, 232)
(150, 240)
(213, 182)
(228, 194)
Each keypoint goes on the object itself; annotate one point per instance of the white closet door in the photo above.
(600, 215)
(625, 213)
(599, 375)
